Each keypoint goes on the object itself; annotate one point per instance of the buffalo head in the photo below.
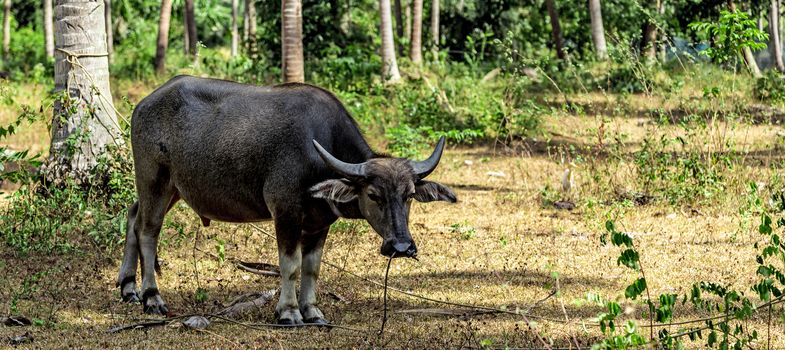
(383, 189)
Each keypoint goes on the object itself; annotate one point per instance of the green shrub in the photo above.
(61, 218)
(27, 60)
(771, 87)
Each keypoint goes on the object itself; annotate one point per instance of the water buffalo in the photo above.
(243, 153)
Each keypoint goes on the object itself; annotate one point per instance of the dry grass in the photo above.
(497, 247)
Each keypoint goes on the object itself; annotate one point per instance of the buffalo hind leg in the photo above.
(155, 199)
(312, 244)
(126, 280)
(289, 258)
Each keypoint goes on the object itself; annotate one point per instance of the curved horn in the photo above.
(343, 168)
(426, 167)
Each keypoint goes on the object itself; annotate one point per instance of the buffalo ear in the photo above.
(426, 191)
(336, 190)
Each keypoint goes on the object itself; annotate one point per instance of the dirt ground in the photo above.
(498, 247)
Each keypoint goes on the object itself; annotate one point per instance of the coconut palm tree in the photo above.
(389, 64)
(597, 30)
(435, 26)
(6, 27)
(292, 40)
(109, 30)
(163, 36)
(415, 53)
(190, 26)
(80, 28)
(558, 41)
(775, 40)
(235, 34)
(49, 37)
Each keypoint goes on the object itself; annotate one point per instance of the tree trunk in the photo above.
(399, 25)
(245, 22)
(49, 37)
(109, 30)
(190, 20)
(775, 41)
(235, 34)
(163, 36)
(292, 41)
(84, 122)
(649, 42)
(663, 50)
(407, 25)
(597, 30)
(186, 41)
(389, 65)
(760, 21)
(749, 58)
(6, 28)
(415, 52)
(558, 41)
(250, 43)
(435, 27)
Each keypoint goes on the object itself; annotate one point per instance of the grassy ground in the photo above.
(499, 247)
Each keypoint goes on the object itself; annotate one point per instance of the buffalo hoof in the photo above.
(153, 303)
(290, 317)
(131, 298)
(156, 309)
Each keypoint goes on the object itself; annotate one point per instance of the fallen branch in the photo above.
(257, 271)
(446, 312)
(141, 325)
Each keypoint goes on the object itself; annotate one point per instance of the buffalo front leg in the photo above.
(312, 244)
(289, 259)
(126, 280)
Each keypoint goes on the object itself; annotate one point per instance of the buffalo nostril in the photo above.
(402, 247)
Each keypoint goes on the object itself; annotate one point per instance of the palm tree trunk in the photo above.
(292, 41)
(190, 20)
(649, 42)
(749, 58)
(399, 25)
(775, 41)
(389, 65)
(109, 30)
(760, 21)
(558, 41)
(250, 43)
(663, 35)
(186, 40)
(163, 36)
(235, 34)
(597, 30)
(49, 37)
(435, 27)
(407, 25)
(245, 22)
(415, 53)
(80, 33)
(6, 28)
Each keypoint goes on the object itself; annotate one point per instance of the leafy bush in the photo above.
(408, 142)
(47, 217)
(771, 87)
(27, 60)
(55, 218)
(687, 176)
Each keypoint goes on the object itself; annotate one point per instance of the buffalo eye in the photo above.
(374, 197)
